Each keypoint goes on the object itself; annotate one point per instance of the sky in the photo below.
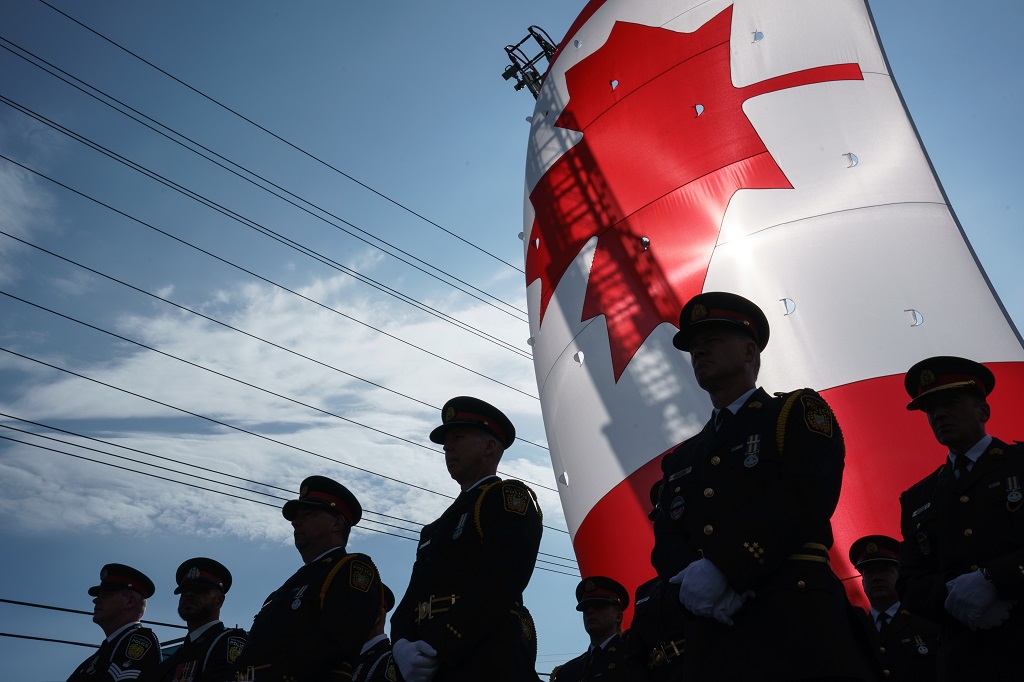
(253, 337)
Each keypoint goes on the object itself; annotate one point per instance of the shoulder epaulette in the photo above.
(516, 497)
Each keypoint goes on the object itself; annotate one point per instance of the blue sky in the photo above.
(407, 98)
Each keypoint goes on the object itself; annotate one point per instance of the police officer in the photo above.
(312, 627)
(208, 652)
(375, 662)
(130, 651)
(657, 639)
(462, 616)
(602, 601)
(906, 643)
(963, 526)
(744, 527)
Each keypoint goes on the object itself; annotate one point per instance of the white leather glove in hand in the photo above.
(729, 605)
(970, 595)
(996, 614)
(415, 660)
(701, 586)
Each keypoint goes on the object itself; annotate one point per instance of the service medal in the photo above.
(753, 448)
(676, 509)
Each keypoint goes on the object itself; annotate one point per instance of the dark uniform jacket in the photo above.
(756, 499)
(312, 628)
(465, 596)
(654, 649)
(209, 658)
(951, 527)
(605, 663)
(133, 654)
(376, 664)
(906, 648)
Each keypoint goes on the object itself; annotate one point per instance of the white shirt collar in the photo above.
(976, 451)
(487, 477)
(325, 554)
(370, 642)
(735, 406)
(197, 633)
(892, 611)
(115, 633)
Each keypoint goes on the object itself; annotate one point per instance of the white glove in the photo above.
(729, 605)
(701, 586)
(417, 661)
(970, 595)
(996, 614)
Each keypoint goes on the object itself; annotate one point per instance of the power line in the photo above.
(255, 175)
(262, 278)
(85, 613)
(264, 230)
(48, 639)
(240, 331)
(279, 138)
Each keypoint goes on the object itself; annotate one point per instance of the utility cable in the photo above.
(178, 626)
(281, 139)
(227, 425)
(201, 468)
(264, 230)
(261, 178)
(240, 331)
(262, 278)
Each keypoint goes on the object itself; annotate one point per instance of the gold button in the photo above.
(881, 649)
(709, 492)
(964, 498)
(716, 460)
(968, 533)
(709, 529)
(974, 568)
(801, 584)
(677, 489)
(885, 673)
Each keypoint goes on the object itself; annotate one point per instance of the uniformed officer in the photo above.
(130, 651)
(208, 652)
(462, 617)
(963, 527)
(312, 627)
(602, 601)
(375, 662)
(657, 638)
(906, 643)
(744, 527)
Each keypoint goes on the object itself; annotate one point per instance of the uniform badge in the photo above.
(235, 646)
(460, 526)
(699, 312)
(676, 509)
(871, 548)
(298, 597)
(449, 414)
(817, 415)
(193, 573)
(515, 500)
(927, 377)
(753, 448)
(360, 576)
(921, 647)
(137, 647)
(1013, 494)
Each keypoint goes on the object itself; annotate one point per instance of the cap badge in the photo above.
(699, 312)
(103, 574)
(193, 573)
(303, 491)
(449, 414)
(589, 586)
(871, 548)
(927, 377)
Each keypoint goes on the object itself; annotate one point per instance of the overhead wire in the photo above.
(280, 138)
(264, 230)
(228, 425)
(178, 626)
(262, 278)
(242, 175)
(236, 329)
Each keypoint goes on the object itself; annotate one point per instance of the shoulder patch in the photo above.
(817, 415)
(138, 645)
(360, 576)
(516, 499)
(235, 646)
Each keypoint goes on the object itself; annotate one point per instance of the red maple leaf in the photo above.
(651, 164)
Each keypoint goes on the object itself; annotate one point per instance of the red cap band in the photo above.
(336, 502)
(471, 416)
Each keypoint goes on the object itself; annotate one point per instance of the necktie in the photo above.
(883, 622)
(962, 466)
(723, 418)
